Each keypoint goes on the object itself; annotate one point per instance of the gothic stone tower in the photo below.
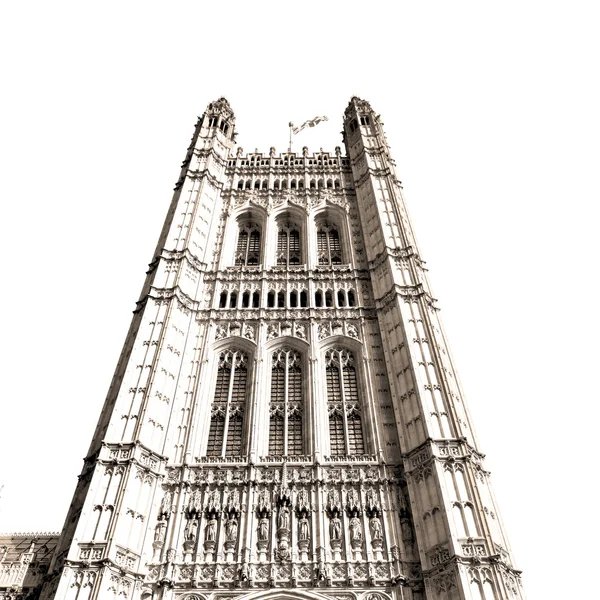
(285, 419)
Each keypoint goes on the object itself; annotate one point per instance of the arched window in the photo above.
(288, 243)
(229, 405)
(285, 409)
(223, 300)
(351, 298)
(318, 298)
(329, 248)
(345, 419)
(248, 244)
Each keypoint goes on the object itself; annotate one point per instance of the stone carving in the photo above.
(210, 533)
(375, 527)
(263, 529)
(191, 530)
(302, 501)
(231, 528)
(353, 503)
(194, 506)
(213, 506)
(355, 532)
(303, 529)
(249, 332)
(263, 512)
(335, 529)
(283, 521)
(165, 505)
(323, 331)
(352, 331)
(372, 503)
(300, 331)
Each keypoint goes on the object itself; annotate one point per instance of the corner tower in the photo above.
(284, 420)
(462, 547)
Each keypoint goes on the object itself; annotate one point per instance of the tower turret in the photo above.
(462, 547)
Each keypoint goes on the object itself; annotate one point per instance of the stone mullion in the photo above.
(228, 404)
(286, 390)
(252, 417)
(343, 399)
(319, 405)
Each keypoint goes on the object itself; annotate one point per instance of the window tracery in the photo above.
(329, 248)
(229, 403)
(248, 244)
(288, 243)
(343, 403)
(286, 404)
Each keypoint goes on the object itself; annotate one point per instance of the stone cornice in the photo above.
(443, 450)
(480, 561)
(406, 291)
(205, 173)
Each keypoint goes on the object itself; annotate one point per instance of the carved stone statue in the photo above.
(283, 522)
(159, 532)
(303, 529)
(375, 527)
(211, 530)
(231, 529)
(263, 529)
(335, 528)
(165, 505)
(355, 530)
(191, 530)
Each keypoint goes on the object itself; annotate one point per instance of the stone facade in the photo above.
(285, 419)
(24, 562)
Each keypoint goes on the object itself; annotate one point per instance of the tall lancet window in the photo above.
(248, 244)
(229, 404)
(285, 422)
(288, 243)
(328, 244)
(345, 419)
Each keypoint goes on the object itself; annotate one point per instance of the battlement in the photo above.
(290, 159)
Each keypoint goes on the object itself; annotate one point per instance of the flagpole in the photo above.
(290, 147)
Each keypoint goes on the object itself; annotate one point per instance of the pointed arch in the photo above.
(344, 406)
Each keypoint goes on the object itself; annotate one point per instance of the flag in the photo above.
(310, 123)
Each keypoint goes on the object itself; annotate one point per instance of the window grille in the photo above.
(286, 405)
(288, 244)
(248, 245)
(328, 244)
(336, 435)
(225, 435)
(343, 403)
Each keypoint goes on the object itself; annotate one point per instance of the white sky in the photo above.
(492, 111)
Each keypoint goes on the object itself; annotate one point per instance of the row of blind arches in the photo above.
(294, 184)
(289, 247)
(281, 299)
(287, 428)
